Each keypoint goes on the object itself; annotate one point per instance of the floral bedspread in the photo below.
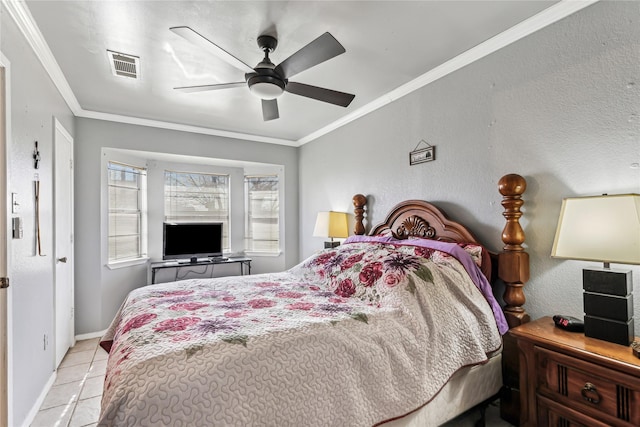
(352, 336)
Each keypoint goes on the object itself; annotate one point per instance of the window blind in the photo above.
(197, 197)
(262, 230)
(126, 187)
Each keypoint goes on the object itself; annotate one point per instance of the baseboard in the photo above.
(38, 403)
(90, 335)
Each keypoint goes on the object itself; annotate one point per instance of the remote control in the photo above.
(568, 323)
(635, 348)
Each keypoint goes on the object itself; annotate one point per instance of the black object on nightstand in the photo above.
(608, 305)
(568, 323)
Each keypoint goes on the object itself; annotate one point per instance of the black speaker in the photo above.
(608, 306)
(607, 281)
(609, 330)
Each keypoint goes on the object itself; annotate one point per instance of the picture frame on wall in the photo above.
(422, 155)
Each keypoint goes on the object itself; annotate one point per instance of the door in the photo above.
(4, 292)
(63, 232)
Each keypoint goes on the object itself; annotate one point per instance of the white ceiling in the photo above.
(392, 47)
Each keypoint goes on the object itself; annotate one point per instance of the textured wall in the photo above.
(34, 104)
(560, 107)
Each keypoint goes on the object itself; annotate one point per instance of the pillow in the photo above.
(480, 256)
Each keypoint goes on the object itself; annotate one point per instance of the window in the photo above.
(262, 232)
(198, 197)
(127, 212)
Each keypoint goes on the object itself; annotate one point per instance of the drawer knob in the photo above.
(590, 393)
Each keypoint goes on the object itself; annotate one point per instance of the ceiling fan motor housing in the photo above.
(265, 82)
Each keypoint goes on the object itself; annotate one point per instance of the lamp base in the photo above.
(608, 305)
(331, 245)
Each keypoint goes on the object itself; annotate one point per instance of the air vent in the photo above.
(124, 65)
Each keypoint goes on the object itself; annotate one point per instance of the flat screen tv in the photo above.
(191, 240)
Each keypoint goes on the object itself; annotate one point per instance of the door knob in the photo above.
(63, 259)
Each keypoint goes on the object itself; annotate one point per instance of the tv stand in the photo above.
(245, 265)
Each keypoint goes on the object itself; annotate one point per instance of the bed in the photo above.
(385, 329)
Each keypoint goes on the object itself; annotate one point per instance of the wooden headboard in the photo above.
(417, 218)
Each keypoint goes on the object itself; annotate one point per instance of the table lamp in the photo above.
(333, 225)
(603, 228)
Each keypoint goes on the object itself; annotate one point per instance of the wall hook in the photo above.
(36, 157)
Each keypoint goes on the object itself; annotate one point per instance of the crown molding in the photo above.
(184, 128)
(547, 17)
(23, 18)
(20, 13)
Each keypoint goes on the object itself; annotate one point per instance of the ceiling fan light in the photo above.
(266, 90)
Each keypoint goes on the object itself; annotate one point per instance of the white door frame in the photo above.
(63, 260)
(6, 336)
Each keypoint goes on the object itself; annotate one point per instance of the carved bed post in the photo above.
(513, 269)
(513, 262)
(358, 203)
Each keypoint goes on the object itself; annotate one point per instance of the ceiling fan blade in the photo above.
(203, 42)
(321, 49)
(270, 109)
(202, 88)
(321, 94)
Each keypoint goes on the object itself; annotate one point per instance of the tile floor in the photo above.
(74, 399)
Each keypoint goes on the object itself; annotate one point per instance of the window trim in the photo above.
(115, 265)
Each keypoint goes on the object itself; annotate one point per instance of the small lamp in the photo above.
(333, 225)
(607, 229)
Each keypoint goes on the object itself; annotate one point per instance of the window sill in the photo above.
(263, 254)
(129, 263)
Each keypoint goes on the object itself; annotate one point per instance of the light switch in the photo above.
(15, 206)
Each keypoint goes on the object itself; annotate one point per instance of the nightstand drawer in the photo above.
(594, 390)
(552, 414)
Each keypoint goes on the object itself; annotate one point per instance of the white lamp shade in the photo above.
(331, 224)
(600, 228)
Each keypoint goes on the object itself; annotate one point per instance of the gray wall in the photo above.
(560, 107)
(34, 104)
(99, 290)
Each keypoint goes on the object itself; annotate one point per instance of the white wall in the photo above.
(560, 107)
(99, 290)
(34, 104)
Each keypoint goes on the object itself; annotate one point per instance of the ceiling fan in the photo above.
(268, 81)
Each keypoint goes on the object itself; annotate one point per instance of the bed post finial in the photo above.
(513, 260)
(359, 201)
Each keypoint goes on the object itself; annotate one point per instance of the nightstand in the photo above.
(567, 379)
